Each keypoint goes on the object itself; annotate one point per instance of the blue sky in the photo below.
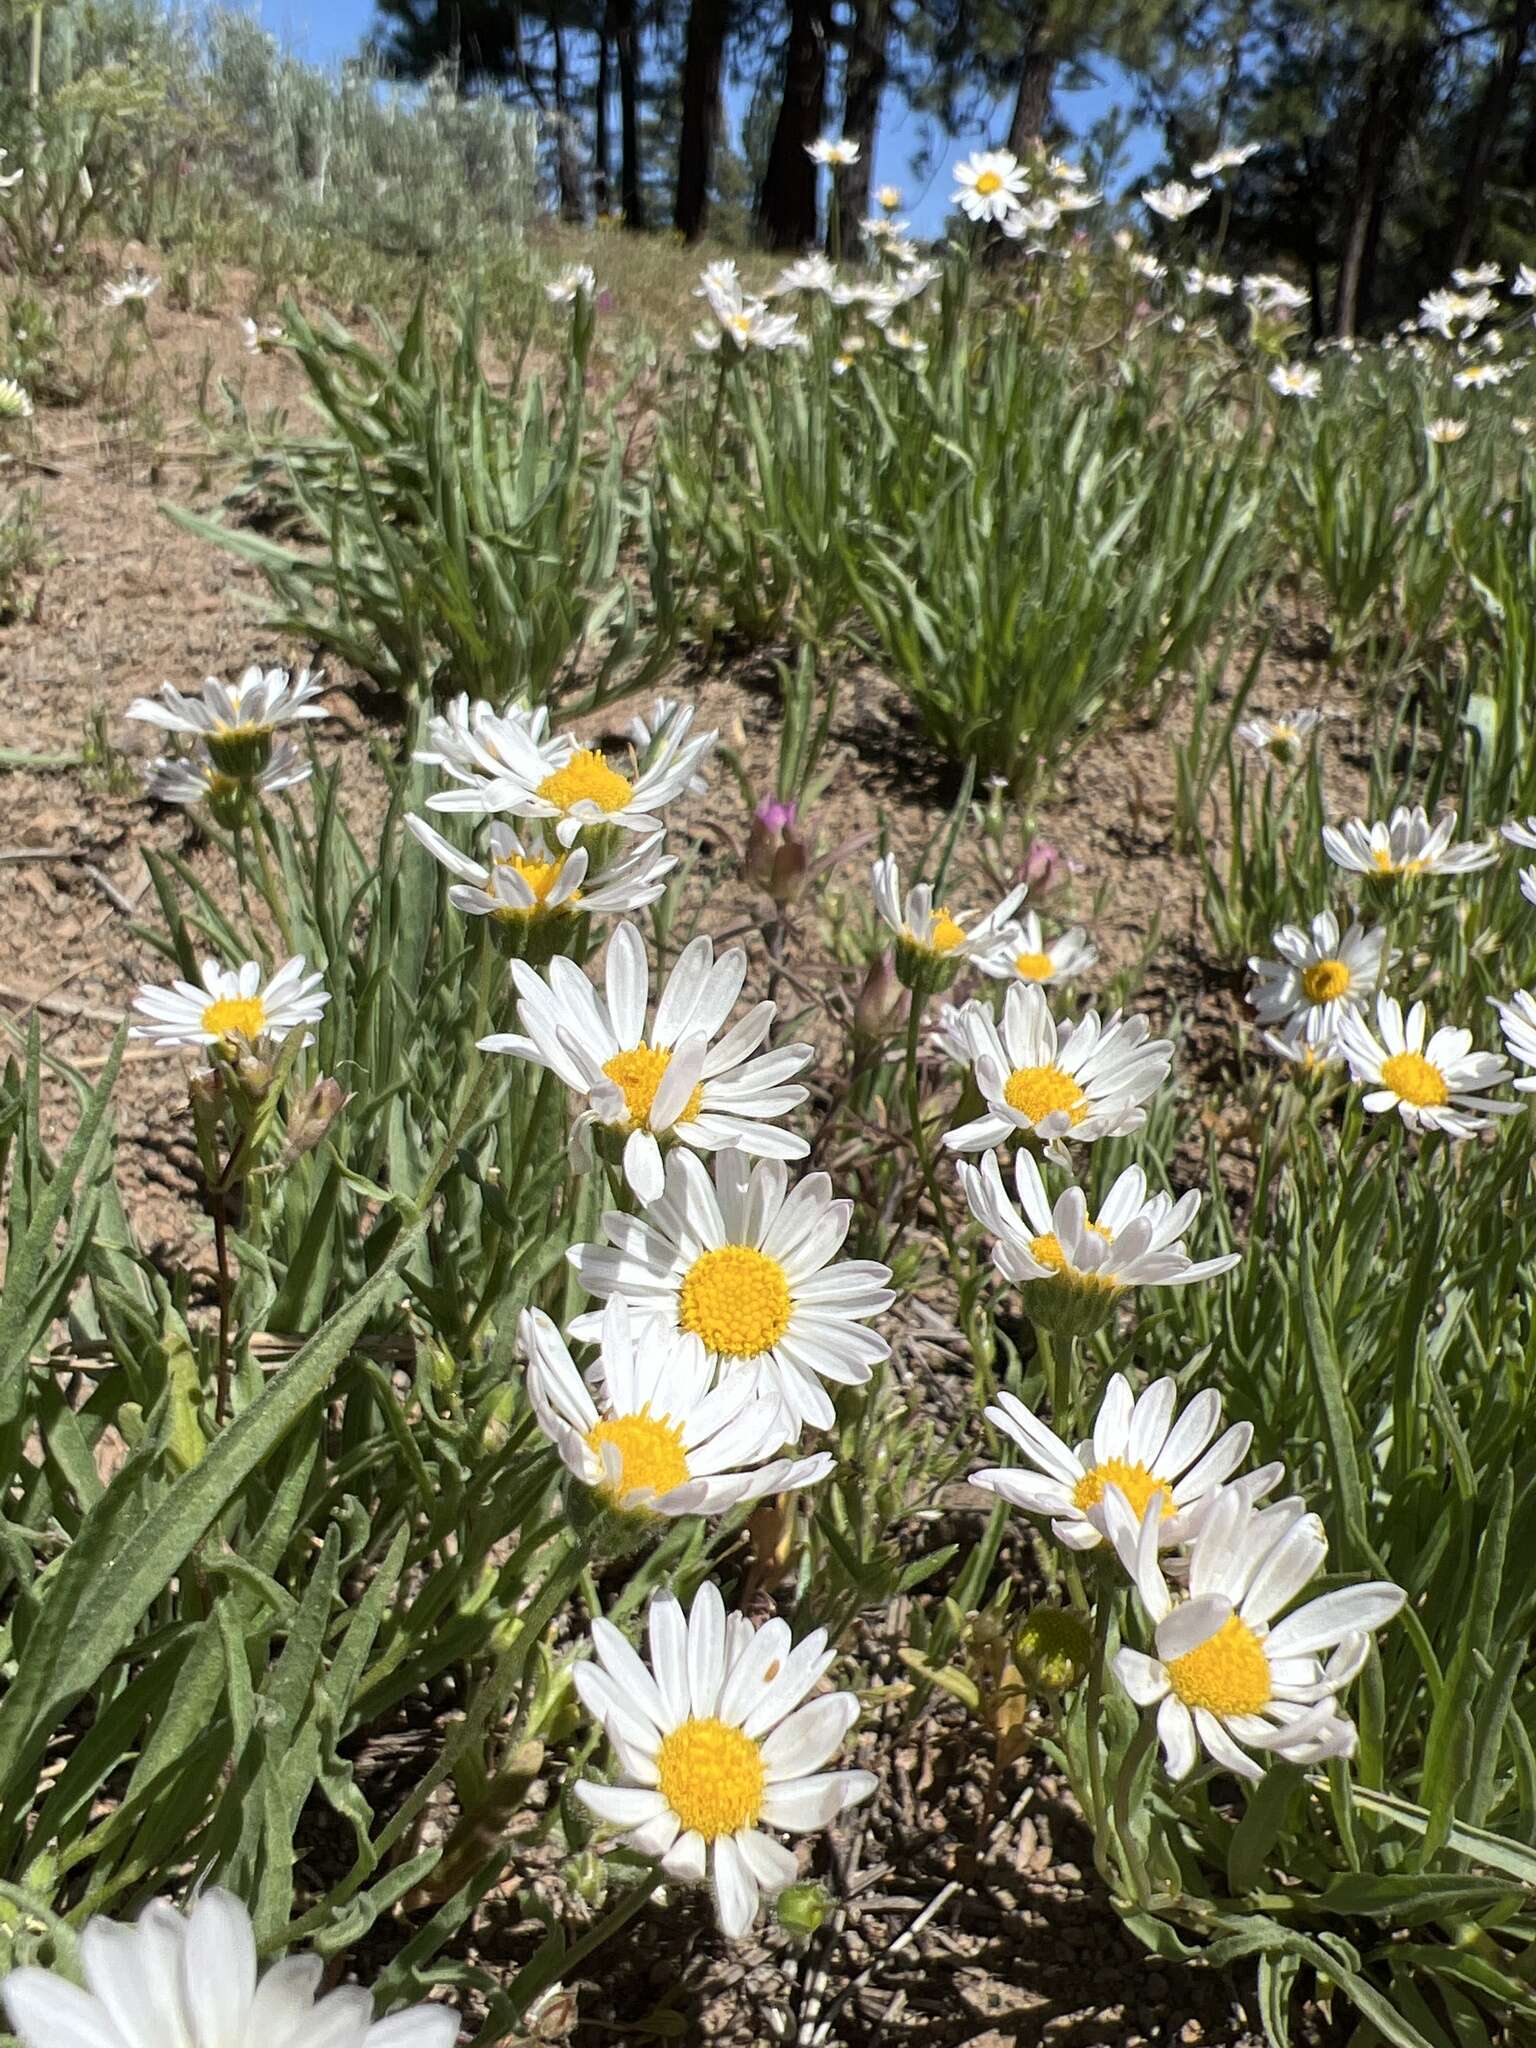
(325, 30)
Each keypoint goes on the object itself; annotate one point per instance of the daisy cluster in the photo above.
(1024, 202)
(233, 749)
(742, 322)
(722, 1315)
(1316, 995)
(1232, 1668)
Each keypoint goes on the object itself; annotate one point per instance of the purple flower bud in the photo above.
(775, 815)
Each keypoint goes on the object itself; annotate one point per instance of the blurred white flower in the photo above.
(836, 151)
(579, 281)
(1229, 159)
(15, 403)
(1295, 380)
(137, 285)
(1175, 200)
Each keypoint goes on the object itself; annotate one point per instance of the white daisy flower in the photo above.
(808, 274)
(1517, 1020)
(1136, 1446)
(578, 282)
(10, 178)
(1442, 432)
(837, 152)
(1484, 274)
(675, 1080)
(1294, 1047)
(1081, 1081)
(1318, 976)
(744, 1262)
(1232, 158)
(190, 1981)
(1523, 283)
(1148, 266)
(713, 1744)
(989, 185)
(1295, 380)
(1175, 200)
(1281, 737)
(1438, 1086)
(747, 322)
(1032, 217)
(15, 403)
(1024, 953)
(258, 340)
(529, 881)
(1454, 315)
(931, 942)
(1476, 375)
(234, 1008)
(192, 778)
(1071, 1267)
(1267, 292)
(1227, 1677)
(237, 722)
(1072, 201)
(136, 287)
(474, 742)
(1216, 282)
(888, 199)
(1520, 832)
(659, 1437)
(905, 342)
(1405, 847)
(548, 776)
(666, 722)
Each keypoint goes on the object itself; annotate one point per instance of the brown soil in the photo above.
(969, 1911)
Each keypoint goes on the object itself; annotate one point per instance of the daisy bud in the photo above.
(312, 1116)
(1044, 866)
(802, 1909)
(786, 880)
(1070, 1304)
(587, 1876)
(877, 1011)
(1053, 1648)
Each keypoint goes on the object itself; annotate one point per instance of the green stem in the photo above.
(1130, 1849)
(541, 1976)
(919, 1134)
(1093, 1714)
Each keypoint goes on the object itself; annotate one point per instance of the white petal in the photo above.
(218, 1969)
(48, 2012)
(735, 1888)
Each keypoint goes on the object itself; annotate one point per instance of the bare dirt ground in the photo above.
(970, 1912)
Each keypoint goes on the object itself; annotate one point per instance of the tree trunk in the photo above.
(1492, 115)
(703, 55)
(567, 158)
(786, 208)
(865, 82)
(602, 177)
(1390, 102)
(625, 42)
(1032, 102)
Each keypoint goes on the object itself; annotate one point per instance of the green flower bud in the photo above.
(802, 1909)
(1053, 1648)
(1069, 1304)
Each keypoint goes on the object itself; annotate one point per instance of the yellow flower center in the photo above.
(1325, 981)
(1037, 1092)
(1384, 864)
(586, 779)
(944, 935)
(1411, 1077)
(1134, 1481)
(988, 183)
(651, 1455)
(1229, 1674)
(1047, 1249)
(1034, 966)
(541, 876)
(736, 1301)
(637, 1073)
(236, 1017)
(712, 1777)
(742, 322)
